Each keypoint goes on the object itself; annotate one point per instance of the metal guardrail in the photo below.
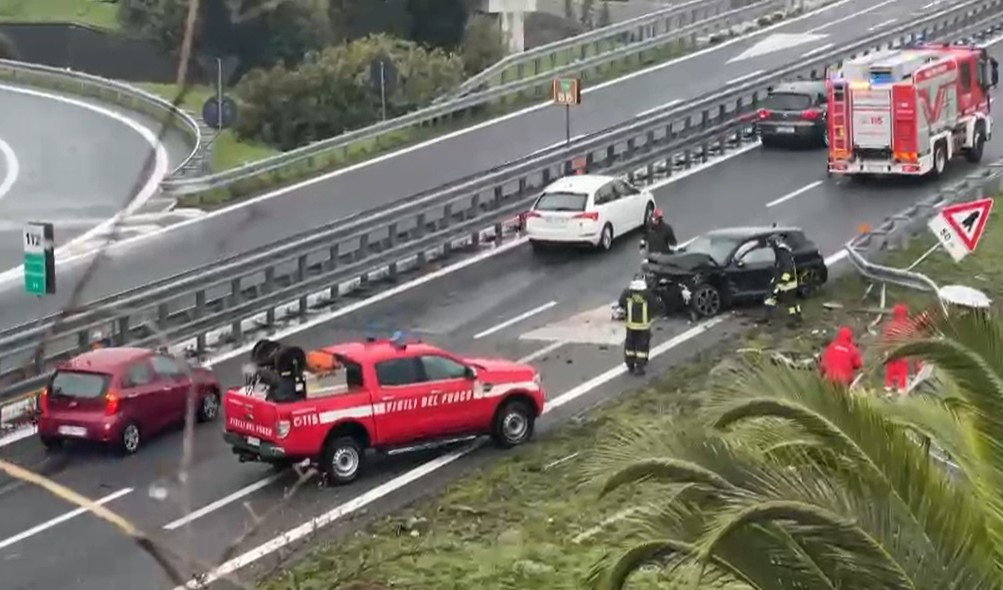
(305, 161)
(546, 58)
(124, 95)
(220, 304)
(895, 232)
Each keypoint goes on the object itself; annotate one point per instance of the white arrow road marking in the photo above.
(777, 42)
(12, 165)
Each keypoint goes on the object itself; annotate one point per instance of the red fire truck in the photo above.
(909, 111)
(331, 405)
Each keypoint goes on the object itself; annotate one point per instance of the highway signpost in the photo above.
(959, 227)
(383, 78)
(39, 259)
(568, 93)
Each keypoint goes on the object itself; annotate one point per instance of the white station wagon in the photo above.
(587, 210)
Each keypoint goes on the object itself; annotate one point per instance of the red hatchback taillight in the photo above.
(593, 215)
(811, 114)
(764, 114)
(110, 403)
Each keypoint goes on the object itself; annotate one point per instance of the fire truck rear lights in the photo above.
(906, 156)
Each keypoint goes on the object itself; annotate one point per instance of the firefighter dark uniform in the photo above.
(784, 283)
(660, 238)
(639, 305)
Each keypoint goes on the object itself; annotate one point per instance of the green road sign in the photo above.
(39, 259)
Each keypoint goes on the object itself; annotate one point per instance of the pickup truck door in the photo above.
(397, 403)
(451, 405)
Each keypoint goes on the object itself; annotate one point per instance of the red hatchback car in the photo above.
(120, 396)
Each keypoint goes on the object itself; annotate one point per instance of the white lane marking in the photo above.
(148, 190)
(213, 506)
(542, 352)
(745, 77)
(515, 320)
(59, 520)
(793, 194)
(12, 166)
(818, 50)
(405, 479)
(325, 177)
(851, 16)
(883, 23)
(659, 107)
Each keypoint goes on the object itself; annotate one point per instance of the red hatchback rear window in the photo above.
(78, 384)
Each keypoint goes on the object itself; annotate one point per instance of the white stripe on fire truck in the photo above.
(380, 408)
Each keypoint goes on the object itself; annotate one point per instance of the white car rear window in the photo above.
(562, 202)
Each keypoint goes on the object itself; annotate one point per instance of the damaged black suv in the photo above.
(728, 267)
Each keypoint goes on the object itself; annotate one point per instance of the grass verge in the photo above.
(228, 150)
(527, 520)
(96, 13)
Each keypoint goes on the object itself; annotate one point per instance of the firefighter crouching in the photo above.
(784, 283)
(639, 305)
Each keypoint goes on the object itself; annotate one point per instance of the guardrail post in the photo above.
(363, 250)
(475, 206)
(199, 303)
(122, 331)
(266, 288)
(447, 216)
(301, 275)
(330, 265)
(83, 340)
(497, 196)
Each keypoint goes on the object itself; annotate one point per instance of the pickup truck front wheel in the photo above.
(341, 460)
(513, 424)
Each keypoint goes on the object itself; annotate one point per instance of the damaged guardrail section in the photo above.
(242, 297)
(896, 231)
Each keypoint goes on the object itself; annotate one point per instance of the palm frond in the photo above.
(847, 534)
(613, 574)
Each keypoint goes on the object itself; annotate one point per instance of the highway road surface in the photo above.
(563, 300)
(392, 177)
(72, 162)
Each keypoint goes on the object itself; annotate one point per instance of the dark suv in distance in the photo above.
(794, 113)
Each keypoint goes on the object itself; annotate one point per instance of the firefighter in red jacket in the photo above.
(900, 326)
(841, 359)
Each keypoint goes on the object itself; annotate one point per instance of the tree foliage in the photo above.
(259, 32)
(330, 92)
(786, 482)
(483, 44)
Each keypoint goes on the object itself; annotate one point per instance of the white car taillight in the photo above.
(282, 428)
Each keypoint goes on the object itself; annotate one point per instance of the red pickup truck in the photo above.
(332, 404)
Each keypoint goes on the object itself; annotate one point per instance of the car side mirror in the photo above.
(995, 75)
(470, 373)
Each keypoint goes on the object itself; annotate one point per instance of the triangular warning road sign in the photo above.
(968, 220)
